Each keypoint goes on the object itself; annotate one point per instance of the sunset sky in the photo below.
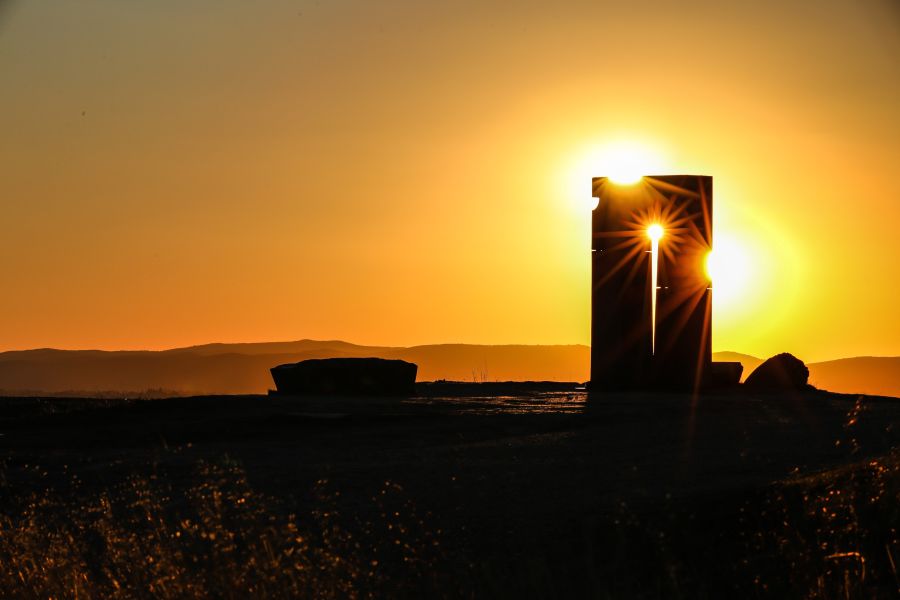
(409, 172)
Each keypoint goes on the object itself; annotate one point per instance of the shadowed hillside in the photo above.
(731, 495)
(244, 368)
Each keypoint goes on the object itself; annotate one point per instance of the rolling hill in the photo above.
(863, 374)
(244, 368)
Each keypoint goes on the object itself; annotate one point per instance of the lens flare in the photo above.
(655, 233)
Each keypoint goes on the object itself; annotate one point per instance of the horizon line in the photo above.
(385, 346)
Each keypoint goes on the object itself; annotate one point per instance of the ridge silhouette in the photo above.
(243, 368)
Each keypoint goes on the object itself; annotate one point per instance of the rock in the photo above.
(781, 372)
(346, 376)
(723, 374)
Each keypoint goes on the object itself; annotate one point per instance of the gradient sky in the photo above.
(406, 172)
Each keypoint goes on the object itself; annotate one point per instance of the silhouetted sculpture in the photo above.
(781, 372)
(346, 376)
(634, 344)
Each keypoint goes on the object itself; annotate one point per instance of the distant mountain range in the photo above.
(244, 368)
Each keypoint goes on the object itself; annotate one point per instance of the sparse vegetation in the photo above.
(830, 535)
(103, 501)
(216, 539)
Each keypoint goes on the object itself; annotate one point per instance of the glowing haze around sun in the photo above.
(730, 265)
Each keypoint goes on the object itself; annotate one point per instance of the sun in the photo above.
(626, 174)
(626, 163)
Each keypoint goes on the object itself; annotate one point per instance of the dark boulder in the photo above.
(724, 374)
(781, 372)
(346, 376)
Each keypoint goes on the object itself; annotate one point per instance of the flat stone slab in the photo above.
(346, 376)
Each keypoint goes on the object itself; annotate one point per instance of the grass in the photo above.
(216, 539)
(829, 535)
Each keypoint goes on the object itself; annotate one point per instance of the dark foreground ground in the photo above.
(486, 491)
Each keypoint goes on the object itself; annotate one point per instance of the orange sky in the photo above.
(403, 172)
